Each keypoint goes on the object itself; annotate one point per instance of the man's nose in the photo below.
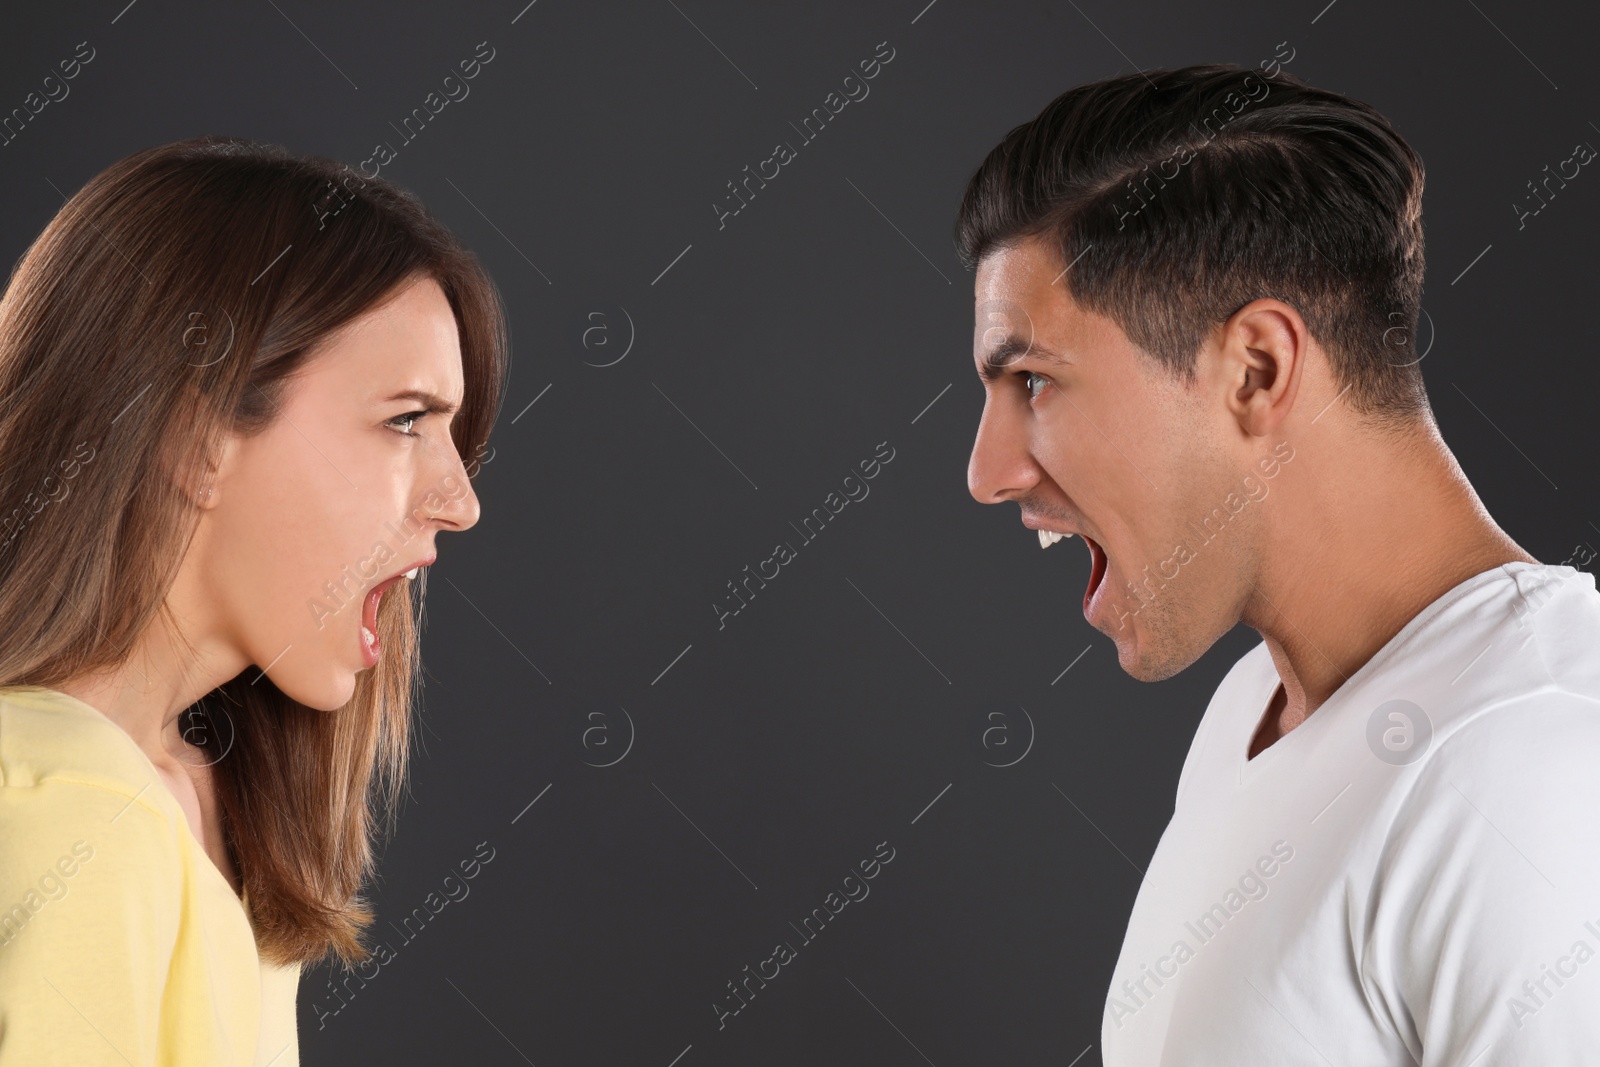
(1001, 467)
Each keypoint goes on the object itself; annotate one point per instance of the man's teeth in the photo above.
(1050, 537)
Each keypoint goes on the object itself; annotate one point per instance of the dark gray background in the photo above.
(856, 690)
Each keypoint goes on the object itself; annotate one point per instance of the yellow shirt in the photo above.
(121, 943)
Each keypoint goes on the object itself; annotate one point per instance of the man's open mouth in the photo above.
(1097, 571)
(1097, 560)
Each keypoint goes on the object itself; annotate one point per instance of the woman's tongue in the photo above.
(369, 612)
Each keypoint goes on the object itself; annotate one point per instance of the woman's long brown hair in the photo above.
(166, 304)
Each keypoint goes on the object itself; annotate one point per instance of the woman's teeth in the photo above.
(1050, 537)
(412, 573)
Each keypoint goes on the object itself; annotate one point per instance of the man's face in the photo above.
(1089, 435)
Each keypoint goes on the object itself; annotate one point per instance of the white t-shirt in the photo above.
(1410, 876)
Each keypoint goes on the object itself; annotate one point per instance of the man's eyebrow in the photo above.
(432, 401)
(1008, 351)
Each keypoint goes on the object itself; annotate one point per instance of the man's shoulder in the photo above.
(1502, 647)
(1494, 850)
(1518, 736)
(1558, 608)
(1515, 782)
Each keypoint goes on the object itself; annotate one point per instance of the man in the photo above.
(1197, 291)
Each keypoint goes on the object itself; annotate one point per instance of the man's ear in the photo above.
(1262, 353)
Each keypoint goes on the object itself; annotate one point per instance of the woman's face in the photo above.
(345, 490)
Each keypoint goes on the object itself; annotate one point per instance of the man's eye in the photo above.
(409, 418)
(1032, 382)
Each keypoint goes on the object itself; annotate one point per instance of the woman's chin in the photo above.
(328, 691)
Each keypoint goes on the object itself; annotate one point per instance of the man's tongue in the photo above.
(1097, 570)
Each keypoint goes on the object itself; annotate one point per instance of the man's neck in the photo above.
(1365, 543)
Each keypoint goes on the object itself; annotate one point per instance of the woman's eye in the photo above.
(409, 418)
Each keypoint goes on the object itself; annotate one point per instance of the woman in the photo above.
(236, 390)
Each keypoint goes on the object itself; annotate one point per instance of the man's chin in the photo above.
(1144, 660)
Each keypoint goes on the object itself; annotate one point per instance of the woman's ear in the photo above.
(199, 477)
(214, 471)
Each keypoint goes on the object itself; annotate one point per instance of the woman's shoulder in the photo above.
(73, 783)
(48, 736)
(91, 883)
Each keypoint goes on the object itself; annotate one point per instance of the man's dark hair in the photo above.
(1180, 195)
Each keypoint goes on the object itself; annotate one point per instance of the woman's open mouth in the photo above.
(371, 648)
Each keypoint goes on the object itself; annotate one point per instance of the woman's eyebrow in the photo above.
(432, 401)
(1010, 350)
